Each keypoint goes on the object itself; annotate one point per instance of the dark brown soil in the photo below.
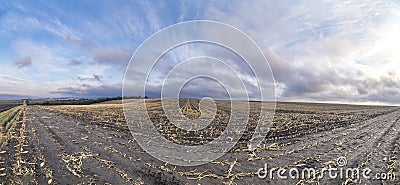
(44, 146)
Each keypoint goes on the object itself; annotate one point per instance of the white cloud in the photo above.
(112, 56)
(24, 61)
(323, 50)
(330, 50)
(44, 59)
(12, 85)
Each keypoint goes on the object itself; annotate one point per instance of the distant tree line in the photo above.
(84, 101)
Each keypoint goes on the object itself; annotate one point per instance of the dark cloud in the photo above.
(383, 89)
(281, 68)
(300, 80)
(108, 90)
(385, 95)
(75, 62)
(195, 88)
(95, 77)
(321, 83)
(112, 56)
(100, 55)
(303, 82)
(85, 43)
(23, 62)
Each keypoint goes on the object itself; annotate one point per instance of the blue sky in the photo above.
(326, 51)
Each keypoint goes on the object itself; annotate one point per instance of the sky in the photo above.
(318, 51)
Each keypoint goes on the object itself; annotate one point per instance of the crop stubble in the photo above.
(92, 144)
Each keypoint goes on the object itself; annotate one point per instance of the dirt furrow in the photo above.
(117, 158)
(9, 149)
(65, 157)
(46, 147)
(342, 145)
